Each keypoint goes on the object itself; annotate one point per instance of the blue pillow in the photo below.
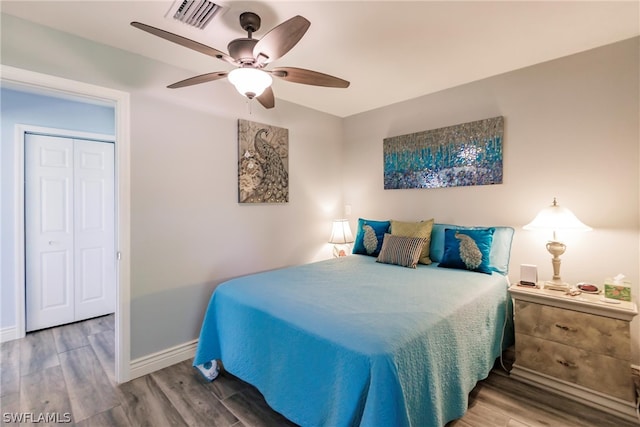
(468, 249)
(369, 236)
(500, 248)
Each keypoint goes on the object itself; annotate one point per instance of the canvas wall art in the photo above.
(263, 163)
(460, 155)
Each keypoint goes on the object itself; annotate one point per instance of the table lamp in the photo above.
(556, 218)
(341, 237)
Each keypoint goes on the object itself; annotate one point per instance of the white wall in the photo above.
(571, 131)
(188, 233)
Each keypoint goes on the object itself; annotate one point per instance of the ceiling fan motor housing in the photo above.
(242, 50)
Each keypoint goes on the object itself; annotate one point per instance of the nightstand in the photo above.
(578, 346)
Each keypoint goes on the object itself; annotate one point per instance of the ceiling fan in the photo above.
(250, 56)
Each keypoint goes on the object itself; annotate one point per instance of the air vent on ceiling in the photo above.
(196, 13)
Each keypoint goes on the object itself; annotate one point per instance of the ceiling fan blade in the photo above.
(280, 39)
(183, 41)
(203, 78)
(267, 99)
(308, 77)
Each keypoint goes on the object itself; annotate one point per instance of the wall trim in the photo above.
(162, 359)
(9, 333)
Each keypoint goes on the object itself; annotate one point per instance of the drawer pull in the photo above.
(566, 364)
(565, 328)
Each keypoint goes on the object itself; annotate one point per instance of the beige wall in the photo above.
(189, 233)
(571, 132)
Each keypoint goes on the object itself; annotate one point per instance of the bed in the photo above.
(354, 342)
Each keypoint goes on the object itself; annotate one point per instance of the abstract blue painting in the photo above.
(460, 155)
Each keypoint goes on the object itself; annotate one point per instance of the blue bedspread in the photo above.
(348, 341)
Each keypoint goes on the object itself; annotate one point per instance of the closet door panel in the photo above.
(49, 231)
(94, 229)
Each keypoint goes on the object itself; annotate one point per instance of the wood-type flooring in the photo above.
(68, 372)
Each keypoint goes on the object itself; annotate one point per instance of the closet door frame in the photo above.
(57, 86)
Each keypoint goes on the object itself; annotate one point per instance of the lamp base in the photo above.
(340, 250)
(556, 285)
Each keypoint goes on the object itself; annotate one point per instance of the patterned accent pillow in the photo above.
(468, 249)
(415, 229)
(369, 236)
(500, 246)
(401, 250)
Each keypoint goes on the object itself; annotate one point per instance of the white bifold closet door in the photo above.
(69, 230)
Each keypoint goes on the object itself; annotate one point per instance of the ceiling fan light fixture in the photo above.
(250, 82)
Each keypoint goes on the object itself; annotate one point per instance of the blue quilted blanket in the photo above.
(352, 342)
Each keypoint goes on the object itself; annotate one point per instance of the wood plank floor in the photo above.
(70, 370)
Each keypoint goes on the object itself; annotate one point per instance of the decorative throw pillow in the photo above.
(500, 246)
(468, 249)
(415, 229)
(401, 250)
(369, 236)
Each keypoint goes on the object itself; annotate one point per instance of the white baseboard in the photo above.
(162, 359)
(8, 334)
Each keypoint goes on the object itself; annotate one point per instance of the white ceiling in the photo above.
(390, 51)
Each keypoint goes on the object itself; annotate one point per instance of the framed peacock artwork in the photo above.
(263, 163)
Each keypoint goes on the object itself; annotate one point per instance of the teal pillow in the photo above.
(500, 248)
(468, 249)
(369, 236)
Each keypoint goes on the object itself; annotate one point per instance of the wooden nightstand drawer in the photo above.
(595, 371)
(593, 333)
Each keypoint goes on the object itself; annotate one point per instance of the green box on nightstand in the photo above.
(617, 291)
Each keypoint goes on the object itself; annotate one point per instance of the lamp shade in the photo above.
(250, 82)
(556, 218)
(341, 232)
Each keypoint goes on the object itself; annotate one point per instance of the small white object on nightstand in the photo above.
(528, 274)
